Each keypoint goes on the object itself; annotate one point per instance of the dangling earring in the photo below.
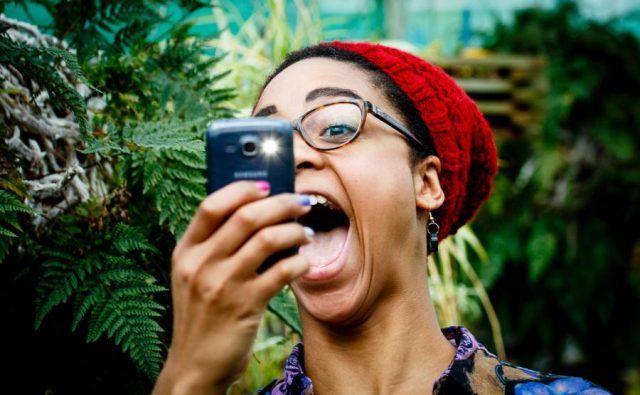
(432, 234)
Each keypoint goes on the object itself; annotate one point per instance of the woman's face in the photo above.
(381, 249)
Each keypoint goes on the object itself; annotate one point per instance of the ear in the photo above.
(429, 193)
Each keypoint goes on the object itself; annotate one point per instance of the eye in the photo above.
(337, 131)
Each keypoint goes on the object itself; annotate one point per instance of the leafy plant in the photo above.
(111, 26)
(568, 201)
(96, 256)
(456, 288)
(164, 160)
(102, 273)
(154, 89)
(10, 207)
(38, 66)
(261, 43)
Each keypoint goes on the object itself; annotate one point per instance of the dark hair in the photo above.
(397, 98)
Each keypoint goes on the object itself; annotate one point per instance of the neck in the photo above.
(397, 348)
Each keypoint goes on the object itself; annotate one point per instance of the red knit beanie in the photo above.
(461, 136)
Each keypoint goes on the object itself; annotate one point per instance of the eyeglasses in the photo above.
(335, 124)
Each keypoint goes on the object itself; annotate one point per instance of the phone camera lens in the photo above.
(249, 146)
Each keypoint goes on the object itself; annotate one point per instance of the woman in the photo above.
(390, 152)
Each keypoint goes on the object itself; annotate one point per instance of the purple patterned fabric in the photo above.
(292, 371)
(466, 344)
(473, 370)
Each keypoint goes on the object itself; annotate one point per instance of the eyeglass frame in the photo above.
(366, 107)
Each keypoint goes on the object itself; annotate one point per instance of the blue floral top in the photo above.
(474, 370)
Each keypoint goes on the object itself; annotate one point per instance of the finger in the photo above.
(275, 278)
(216, 207)
(268, 241)
(251, 217)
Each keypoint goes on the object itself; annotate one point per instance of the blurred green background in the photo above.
(548, 274)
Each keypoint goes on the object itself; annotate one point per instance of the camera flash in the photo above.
(270, 146)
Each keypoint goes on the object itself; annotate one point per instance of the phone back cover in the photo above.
(226, 163)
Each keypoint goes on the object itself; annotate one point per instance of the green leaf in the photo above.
(283, 305)
(7, 232)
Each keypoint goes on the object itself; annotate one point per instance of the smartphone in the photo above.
(252, 149)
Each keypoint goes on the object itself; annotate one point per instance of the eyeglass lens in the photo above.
(333, 125)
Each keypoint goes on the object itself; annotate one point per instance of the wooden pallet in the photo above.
(510, 90)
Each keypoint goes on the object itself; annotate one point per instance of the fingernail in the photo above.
(263, 185)
(305, 200)
(309, 232)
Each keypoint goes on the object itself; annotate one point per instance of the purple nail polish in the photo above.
(305, 200)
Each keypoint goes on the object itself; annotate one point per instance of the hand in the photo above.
(218, 297)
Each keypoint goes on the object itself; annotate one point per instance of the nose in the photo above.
(305, 156)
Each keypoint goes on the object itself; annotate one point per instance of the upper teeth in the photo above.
(319, 199)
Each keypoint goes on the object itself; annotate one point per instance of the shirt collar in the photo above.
(465, 343)
(296, 382)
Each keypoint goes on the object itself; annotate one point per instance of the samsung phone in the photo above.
(251, 149)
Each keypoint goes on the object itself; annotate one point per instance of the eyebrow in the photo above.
(328, 91)
(266, 111)
(331, 91)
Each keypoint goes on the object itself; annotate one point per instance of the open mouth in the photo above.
(331, 227)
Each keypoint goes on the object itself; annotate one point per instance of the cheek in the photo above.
(380, 185)
(382, 195)
(383, 170)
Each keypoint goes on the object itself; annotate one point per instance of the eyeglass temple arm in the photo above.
(389, 120)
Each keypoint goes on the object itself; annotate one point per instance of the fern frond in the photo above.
(120, 275)
(120, 318)
(9, 203)
(127, 239)
(10, 228)
(112, 260)
(135, 289)
(169, 163)
(59, 281)
(111, 26)
(195, 191)
(111, 289)
(193, 160)
(54, 253)
(7, 233)
(40, 65)
(182, 173)
(153, 176)
(85, 300)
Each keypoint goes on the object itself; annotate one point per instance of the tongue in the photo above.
(325, 247)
